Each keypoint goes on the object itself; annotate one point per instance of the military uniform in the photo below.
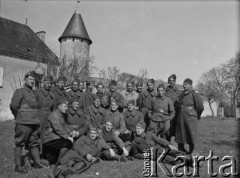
(77, 120)
(191, 108)
(86, 99)
(162, 113)
(57, 95)
(104, 99)
(145, 103)
(73, 94)
(95, 116)
(117, 97)
(173, 93)
(129, 96)
(117, 119)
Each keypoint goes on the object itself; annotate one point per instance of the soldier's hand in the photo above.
(116, 132)
(126, 132)
(112, 153)
(172, 147)
(76, 134)
(125, 151)
(89, 157)
(70, 138)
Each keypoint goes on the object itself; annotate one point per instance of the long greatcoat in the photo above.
(191, 108)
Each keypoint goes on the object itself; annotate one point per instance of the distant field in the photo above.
(221, 136)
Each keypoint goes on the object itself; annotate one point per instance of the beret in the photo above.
(142, 125)
(61, 78)
(48, 78)
(113, 82)
(172, 76)
(151, 81)
(161, 86)
(188, 80)
(62, 101)
(30, 73)
(131, 101)
(139, 84)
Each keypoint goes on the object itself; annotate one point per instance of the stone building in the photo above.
(21, 50)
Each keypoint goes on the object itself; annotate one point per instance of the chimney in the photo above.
(41, 35)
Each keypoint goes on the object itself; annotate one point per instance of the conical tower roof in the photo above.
(75, 29)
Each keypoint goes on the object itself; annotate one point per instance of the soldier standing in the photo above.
(24, 108)
(74, 92)
(87, 97)
(191, 108)
(173, 92)
(129, 94)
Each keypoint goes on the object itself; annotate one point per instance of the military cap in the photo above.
(93, 129)
(100, 83)
(173, 76)
(188, 80)
(161, 86)
(113, 82)
(139, 84)
(61, 78)
(74, 99)
(30, 73)
(114, 101)
(131, 101)
(75, 80)
(151, 81)
(142, 125)
(62, 101)
(110, 121)
(130, 82)
(96, 97)
(48, 78)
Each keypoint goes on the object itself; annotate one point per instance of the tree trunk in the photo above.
(210, 105)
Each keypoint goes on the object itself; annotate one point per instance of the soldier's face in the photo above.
(60, 84)
(74, 86)
(93, 134)
(130, 107)
(63, 108)
(81, 86)
(150, 86)
(114, 106)
(129, 87)
(75, 106)
(160, 91)
(139, 130)
(108, 126)
(100, 89)
(47, 85)
(90, 86)
(112, 88)
(139, 89)
(97, 103)
(186, 86)
(30, 81)
(171, 82)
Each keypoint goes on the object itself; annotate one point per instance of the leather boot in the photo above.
(191, 148)
(18, 161)
(36, 157)
(62, 152)
(181, 148)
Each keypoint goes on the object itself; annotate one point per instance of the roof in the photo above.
(75, 29)
(19, 40)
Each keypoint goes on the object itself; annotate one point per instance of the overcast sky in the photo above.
(186, 38)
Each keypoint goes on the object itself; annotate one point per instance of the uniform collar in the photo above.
(73, 112)
(152, 93)
(96, 110)
(60, 92)
(175, 88)
(162, 98)
(133, 113)
(89, 92)
(129, 93)
(28, 88)
(142, 135)
(188, 91)
(72, 93)
(44, 91)
(113, 94)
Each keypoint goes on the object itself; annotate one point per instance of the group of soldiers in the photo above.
(75, 129)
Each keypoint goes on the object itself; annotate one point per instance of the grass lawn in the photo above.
(220, 136)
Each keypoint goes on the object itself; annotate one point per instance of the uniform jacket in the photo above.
(173, 93)
(162, 109)
(57, 95)
(145, 99)
(72, 94)
(84, 145)
(129, 96)
(77, 120)
(132, 118)
(117, 97)
(86, 99)
(56, 127)
(95, 116)
(104, 99)
(117, 119)
(110, 137)
(24, 107)
(147, 140)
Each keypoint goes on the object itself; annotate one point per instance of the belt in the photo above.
(44, 109)
(26, 106)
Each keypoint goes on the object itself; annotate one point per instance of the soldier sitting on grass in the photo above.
(115, 143)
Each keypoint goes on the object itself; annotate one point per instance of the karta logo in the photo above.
(154, 160)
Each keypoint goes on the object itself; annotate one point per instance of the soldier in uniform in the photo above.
(95, 114)
(81, 86)
(145, 100)
(139, 87)
(114, 95)
(58, 91)
(57, 135)
(191, 108)
(162, 113)
(76, 117)
(129, 94)
(44, 100)
(24, 108)
(173, 92)
(74, 92)
(88, 96)
(131, 117)
(102, 95)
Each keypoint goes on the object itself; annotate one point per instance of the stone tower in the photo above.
(75, 41)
